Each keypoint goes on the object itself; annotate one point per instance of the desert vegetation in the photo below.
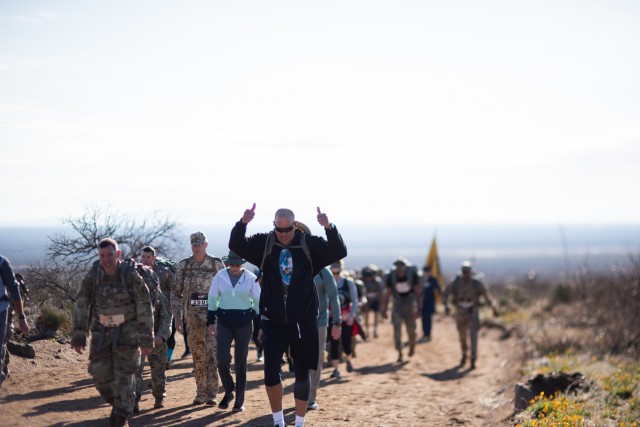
(589, 326)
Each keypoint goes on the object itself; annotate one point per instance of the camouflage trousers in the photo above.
(113, 370)
(203, 351)
(157, 365)
(404, 311)
(468, 323)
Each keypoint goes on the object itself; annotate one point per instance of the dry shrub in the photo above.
(555, 330)
(612, 308)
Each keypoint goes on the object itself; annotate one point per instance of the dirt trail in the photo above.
(428, 390)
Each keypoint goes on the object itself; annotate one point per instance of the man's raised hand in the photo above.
(322, 219)
(249, 214)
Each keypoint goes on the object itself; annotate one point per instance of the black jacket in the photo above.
(302, 297)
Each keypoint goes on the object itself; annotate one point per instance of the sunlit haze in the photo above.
(377, 111)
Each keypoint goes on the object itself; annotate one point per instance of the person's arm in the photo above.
(353, 294)
(445, 298)
(254, 291)
(489, 298)
(81, 320)
(164, 329)
(177, 294)
(144, 313)
(213, 298)
(9, 280)
(331, 289)
(386, 295)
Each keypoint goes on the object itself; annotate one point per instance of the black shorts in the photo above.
(373, 305)
(300, 337)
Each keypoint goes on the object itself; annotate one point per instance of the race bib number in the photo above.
(403, 287)
(198, 300)
(111, 321)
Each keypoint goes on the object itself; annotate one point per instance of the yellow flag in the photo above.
(433, 261)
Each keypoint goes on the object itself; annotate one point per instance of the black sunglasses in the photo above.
(284, 229)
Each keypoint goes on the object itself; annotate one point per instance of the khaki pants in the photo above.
(468, 323)
(203, 351)
(404, 309)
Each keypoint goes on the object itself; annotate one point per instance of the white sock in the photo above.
(278, 418)
(299, 421)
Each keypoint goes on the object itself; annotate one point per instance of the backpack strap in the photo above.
(268, 245)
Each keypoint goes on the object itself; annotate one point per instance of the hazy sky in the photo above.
(377, 111)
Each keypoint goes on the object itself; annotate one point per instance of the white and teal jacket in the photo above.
(226, 300)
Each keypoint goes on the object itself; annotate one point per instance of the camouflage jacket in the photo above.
(159, 302)
(459, 292)
(122, 299)
(191, 287)
(166, 278)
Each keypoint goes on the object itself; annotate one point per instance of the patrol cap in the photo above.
(466, 266)
(233, 259)
(198, 238)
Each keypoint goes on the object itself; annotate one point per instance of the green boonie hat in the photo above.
(233, 259)
(198, 238)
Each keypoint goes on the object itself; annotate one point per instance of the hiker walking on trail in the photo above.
(374, 290)
(190, 293)
(113, 303)
(161, 329)
(430, 287)
(9, 296)
(348, 299)
(327, 299)
(403, 286)
(233, 298)
(288, 260)
(464, 292)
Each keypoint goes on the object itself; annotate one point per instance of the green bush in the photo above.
(51, 320)
(561, 294)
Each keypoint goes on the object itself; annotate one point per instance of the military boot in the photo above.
(159, 403)
(121, 421)
(463, 360)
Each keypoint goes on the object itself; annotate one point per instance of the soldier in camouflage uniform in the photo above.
(161, 328)
(113, 303)
(403, 284)
(193, 280)
(465, 292)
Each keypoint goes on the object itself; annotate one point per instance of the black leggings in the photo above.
(346, 342)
